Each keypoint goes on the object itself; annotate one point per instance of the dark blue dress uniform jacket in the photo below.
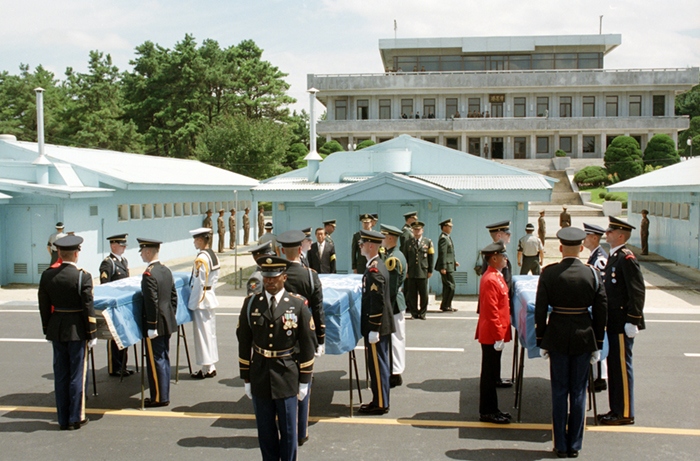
(113, 269)
(66, 304)
(289, 327)
(377, 312)
(159, 299)
(305, 281)
(624, 285)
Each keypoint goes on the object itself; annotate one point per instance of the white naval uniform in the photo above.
(202, 303)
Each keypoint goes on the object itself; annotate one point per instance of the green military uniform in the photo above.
(359, 262)
(419, 257)
(407, 232)
(446, 260)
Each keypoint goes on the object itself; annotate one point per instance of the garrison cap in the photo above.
(418, 225)
(150, 243)
(529, 226)
(291, 238)
(68, 243)
(390, 230)
(119, 238)
(371, 236)
(499, 226)
(268, 225)
(571, 236)
(411, 214)
(272, 266)
(494, 248)
(261, 250)
(365, 217)
(593, 229)
(330, 222)
(200, 231)
(447, 222)
(59, 225)
(616, 223)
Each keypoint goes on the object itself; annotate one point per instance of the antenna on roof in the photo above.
(395, 27)
(600, 29)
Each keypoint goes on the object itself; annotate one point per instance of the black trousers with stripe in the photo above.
(158, 363)
(116, 357)
(379, 364)
(70, 380)
(620, 377)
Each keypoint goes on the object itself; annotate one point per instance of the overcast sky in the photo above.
(333, 36)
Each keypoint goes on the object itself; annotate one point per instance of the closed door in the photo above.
(28, 229)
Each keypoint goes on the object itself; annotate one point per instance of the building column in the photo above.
(533, 146)
(579, 146)
(674, 136)
(508, 148)
(464, 147)
(373, 137)
(441, 139)
(351, 140)
(556, 142)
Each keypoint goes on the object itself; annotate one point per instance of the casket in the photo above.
(342, 304)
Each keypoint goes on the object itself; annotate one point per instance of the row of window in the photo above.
(497, 62)
(170, 210)
(519, 145)
(663, 209)
(474, 108)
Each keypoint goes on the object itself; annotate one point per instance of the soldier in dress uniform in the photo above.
(255, 281)
(268, 236)
(305, 247)
(446, 264)
(377, 323)
(396, 265)
(644, 232)
(116, 267)
(221, 229)
(492, 331)
(564, 218)
(305, 282)
(207, 222)
(246, 226)
(329, 227)
(53, 251)
(358, 261)
(203, 303)
(322, 254)
(572, 337)
(276, 355)
(68, 321)
(624, 285)
(541, 227)
(598, 259)
(261, 221)
(232, 229)
(530, 252)
(419, 259)
(159, 308)
(407, 230)
(375, 220)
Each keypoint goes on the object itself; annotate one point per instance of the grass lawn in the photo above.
(595, 194)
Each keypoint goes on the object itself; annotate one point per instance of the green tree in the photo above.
(295, 156)
(661, 151)
(330, 147)
(299, 127)
(688, 103)
(694, 134)
(591, 176)
(624, 158)
(364, 144)
(252, 147)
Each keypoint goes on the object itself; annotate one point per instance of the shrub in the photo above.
(559, 153)
(624, 158)
(330, 147)
(661, 151)
(624, 204)
(364, 144)
(602, 194)
(593, 176)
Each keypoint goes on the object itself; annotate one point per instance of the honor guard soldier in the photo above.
(530, 252)
(572, 337)
(598, 259)
(305, 282)
(407, 230)
(541, 227)
(322, 254)
(376, 323)
(203, 303)
(246, 226)
(116, 267)
(255, 281)
(624, 285)
(68, 321)
(396, 265)
(564, 218)
(305, 247)
(644, 233)
(53, 251)
(329, 227)
(276, 355)
(159, 309)
(261, 221)
(221, 229)
(492, 331)
(446, 265)
(208, 222)
(358, 261)
(232, 229)
(419, 259)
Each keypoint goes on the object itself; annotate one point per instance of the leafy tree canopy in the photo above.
(661, 151)
(624, 158)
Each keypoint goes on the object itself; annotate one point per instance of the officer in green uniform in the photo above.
(396, 265)
(446, 265)
(329, 226)
(358, 261)
(419, 257)
(406, 230)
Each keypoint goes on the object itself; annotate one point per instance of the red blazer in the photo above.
(494, 309)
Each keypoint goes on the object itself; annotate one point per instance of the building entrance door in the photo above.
(27, 257)
(496, 147)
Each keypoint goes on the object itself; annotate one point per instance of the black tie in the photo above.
(273, 304)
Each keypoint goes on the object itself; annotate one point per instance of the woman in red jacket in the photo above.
(492, 331)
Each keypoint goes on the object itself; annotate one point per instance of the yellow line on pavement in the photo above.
(364, 420)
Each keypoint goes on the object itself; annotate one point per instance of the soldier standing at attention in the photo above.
(68, 321)
(446, 265)
(116, 267)
(208, 222)
(305, 247)
(541, 227)
(202, 303)
(564, 218)
(644, 233)
(624, 285)
(396, 265)
(329, 227)
(268, 236)
(159, 308)
(530, 252)
(246, 226)
(53, 251)
(407, 230)
(358, 260)
(571, 337)
(377, 323)
(276, 356)
(419, 258)
(261, 221)
(232, 229)
(221, 229)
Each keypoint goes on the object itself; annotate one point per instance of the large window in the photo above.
(429, 63)
(590, 60)
(520, 147)
(497, 62)
(565, 106)
(341, 109)
(362, 109)
(496, 109)
(542, 107)
(543, 61)
(406, 108)
(451, 63)
(475, 146)
(565, 144)
(659, 103)
(611, 106)
(520, 62)
(635, 105)
(519, 107)
(589, 106)
(385, 109)
(474, 63)
(428, 108)
(588, 144)
(474, 106)
(565, 61)
(450, 107)
(542, 145)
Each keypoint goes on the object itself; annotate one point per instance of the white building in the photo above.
(532, 96)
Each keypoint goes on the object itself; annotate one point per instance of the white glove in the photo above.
(92, 343)
(631, 330)
(595, 357)
(303, 391)
(248, 392)
(499, 345)
(152, 333)
(373, 337)
(544, 353)
(320, 350)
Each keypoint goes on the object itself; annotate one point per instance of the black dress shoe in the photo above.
(303, 440)
(395, 380)
(127, 372)
(600, 385)
(211, 374)
(148, 404)
(78, 425)
(369, 409)
(198, 375)
(504, 383)
(506, 415)
(616, 420)
(599, 417)
(495, 418)
(66, 427)
(572, 453)
(560, 454)
(449, 309)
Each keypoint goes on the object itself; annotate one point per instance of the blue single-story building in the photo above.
(402, 175)
(672, 197)
(98, 193)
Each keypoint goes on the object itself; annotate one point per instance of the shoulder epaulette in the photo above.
(628, 253)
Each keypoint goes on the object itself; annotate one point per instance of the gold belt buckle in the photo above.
(267, 354)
